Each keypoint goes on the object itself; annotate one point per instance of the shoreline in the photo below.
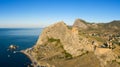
(34, 63)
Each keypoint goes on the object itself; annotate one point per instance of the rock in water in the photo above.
(8, 55)
(12, 47)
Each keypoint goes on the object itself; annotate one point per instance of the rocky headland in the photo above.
(82, 45)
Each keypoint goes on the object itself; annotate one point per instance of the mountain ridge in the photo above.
(60, 44)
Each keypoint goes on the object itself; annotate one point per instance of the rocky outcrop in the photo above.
(80, 24)
(59, 45)
(70, 39)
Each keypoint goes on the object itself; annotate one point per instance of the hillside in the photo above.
(81, 45)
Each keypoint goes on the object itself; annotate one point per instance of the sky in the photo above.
(41, 13)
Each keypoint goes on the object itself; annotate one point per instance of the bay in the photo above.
(22, 37)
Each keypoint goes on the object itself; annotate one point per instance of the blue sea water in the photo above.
(22, 37)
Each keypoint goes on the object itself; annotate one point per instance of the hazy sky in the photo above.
(39, 13)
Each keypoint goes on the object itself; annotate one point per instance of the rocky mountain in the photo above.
(81, 24)
(81, 45)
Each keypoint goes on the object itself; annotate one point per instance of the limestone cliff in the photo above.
(59, 46)
(70, 39)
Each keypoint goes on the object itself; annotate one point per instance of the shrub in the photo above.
(53, 40)
(67, 55)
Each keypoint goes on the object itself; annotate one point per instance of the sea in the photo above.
(23, 38)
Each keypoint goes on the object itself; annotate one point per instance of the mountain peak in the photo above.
(80, 24)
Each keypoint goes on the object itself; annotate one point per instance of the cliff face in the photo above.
(59, 46)
(70, 39)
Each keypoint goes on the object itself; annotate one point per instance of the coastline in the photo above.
(34, 63)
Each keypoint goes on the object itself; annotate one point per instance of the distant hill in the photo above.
(113, 26)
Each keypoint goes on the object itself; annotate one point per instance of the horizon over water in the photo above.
(22, 37)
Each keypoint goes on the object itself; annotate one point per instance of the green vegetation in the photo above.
(99, 39)
(67, 55)
(116, 42)
(103, 56)
(113, 61)
(61, 46)
(118, 62)
(86, 52)
(38, 56)
(69, 27)
(118, 58)
(53, 40)
(80, 38)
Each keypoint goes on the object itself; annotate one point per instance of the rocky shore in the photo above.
(34, 62)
